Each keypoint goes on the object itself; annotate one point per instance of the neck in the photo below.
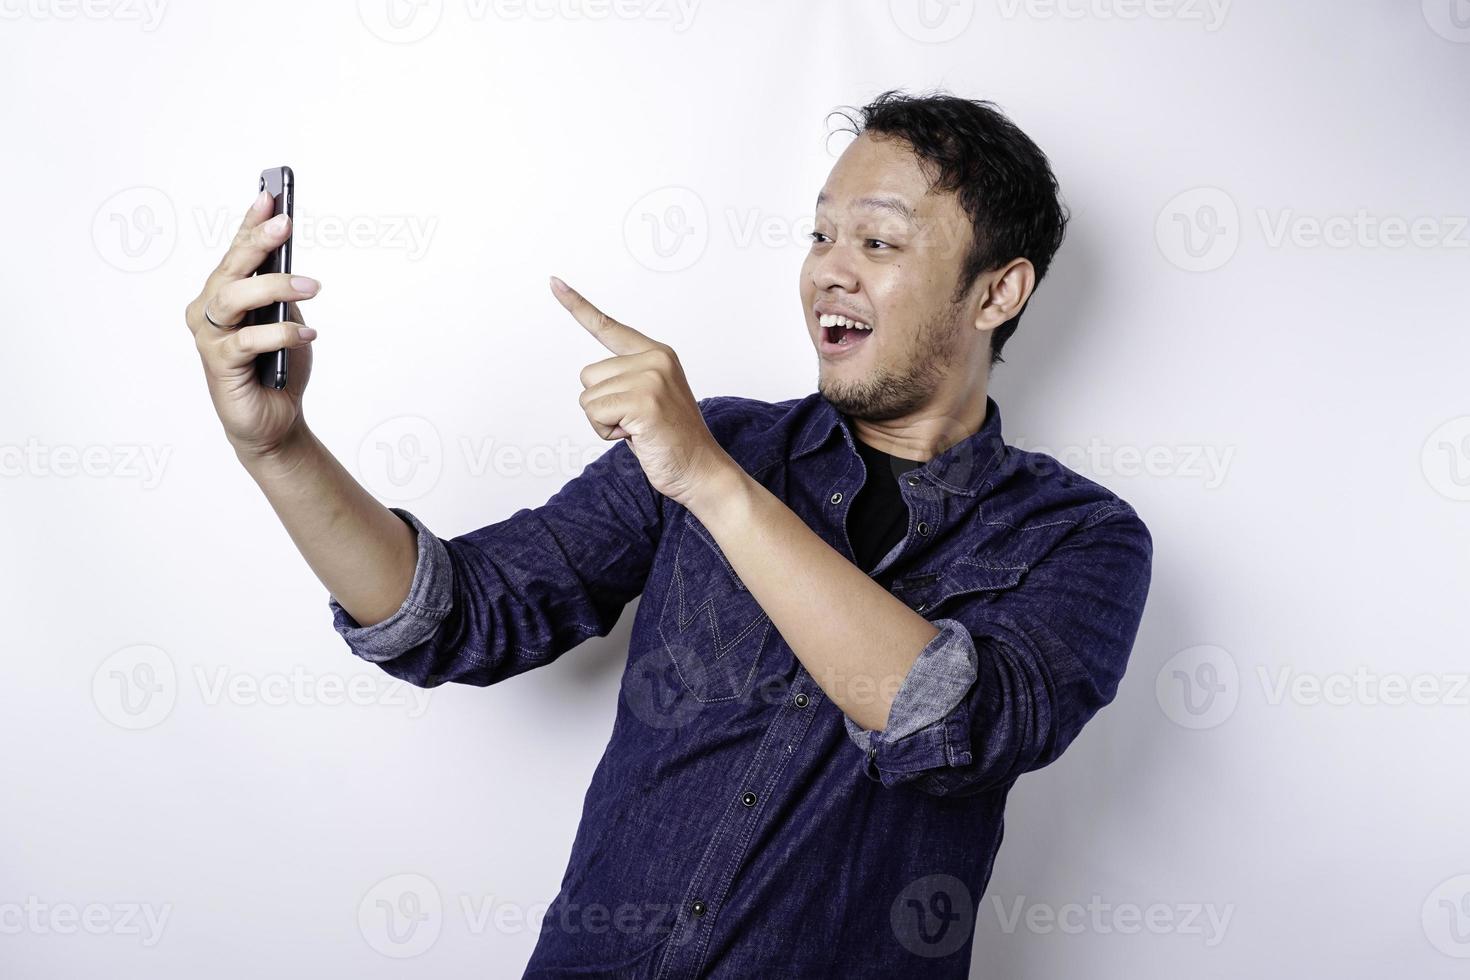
(929, 430)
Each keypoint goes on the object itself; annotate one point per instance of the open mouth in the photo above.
(840, 333)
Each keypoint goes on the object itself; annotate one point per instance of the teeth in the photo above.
(833, 320)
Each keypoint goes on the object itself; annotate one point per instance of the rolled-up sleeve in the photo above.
(427, 603)
(1011, 678)
(516, 594)
(930, 700)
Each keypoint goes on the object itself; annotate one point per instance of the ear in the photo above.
(1002, 293)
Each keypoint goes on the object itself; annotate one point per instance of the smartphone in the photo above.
(270, 367)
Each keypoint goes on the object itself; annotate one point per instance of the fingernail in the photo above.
(304, 285)
(558, 285)
(278, 223)
(306, 333)
(261, 200)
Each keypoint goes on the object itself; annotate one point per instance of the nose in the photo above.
(834, 269)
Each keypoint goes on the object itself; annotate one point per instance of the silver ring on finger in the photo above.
(222, 326)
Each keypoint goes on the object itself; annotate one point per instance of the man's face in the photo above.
(887, 253)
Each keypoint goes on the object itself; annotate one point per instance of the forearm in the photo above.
(360, 550)
(853, 636)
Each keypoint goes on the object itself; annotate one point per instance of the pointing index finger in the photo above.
(616, 337)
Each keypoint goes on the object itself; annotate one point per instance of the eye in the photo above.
(878, 242)
(817, 237)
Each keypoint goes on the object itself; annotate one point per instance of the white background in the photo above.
(1262, 763)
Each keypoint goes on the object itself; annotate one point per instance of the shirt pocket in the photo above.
(711, 626)
(937, 593)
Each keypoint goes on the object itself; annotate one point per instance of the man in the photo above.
(862, 614)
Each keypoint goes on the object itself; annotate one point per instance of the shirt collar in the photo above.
(962, 468)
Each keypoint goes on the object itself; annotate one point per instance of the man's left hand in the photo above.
(640, 394)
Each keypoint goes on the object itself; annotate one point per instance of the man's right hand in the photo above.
(259, 421)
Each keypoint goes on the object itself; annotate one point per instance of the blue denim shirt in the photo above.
(738, 823)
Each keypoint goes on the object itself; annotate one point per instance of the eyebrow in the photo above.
(890, 204)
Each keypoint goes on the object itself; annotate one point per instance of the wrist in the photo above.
(721, 494)
(280, 458)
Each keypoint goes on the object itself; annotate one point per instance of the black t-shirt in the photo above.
(879, 518)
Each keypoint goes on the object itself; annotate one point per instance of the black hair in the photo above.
(1003, 180)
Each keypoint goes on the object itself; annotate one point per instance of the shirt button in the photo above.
(800, 700)
(748, 798)
(921, 607)
(923, 528)
(697, 907)
(837, 497)
(912, 481)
